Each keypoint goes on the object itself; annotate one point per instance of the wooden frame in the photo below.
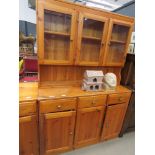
(103, 40)
(51, 116)
(28, 139)
(100, 110)
(112, 124)
(41, 31)
(77, 13)
(126, 44)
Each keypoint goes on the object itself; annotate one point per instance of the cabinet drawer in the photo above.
(57, 105)
(27, 108)
(91, 101)
(118, 98)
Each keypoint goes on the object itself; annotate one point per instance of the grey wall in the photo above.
(128, 10)
(27, 28)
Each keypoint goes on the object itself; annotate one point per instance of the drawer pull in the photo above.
(59, 106)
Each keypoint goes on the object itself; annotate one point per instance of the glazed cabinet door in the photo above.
(92, 31)
(88, 126)
(118, 41)
(113, 121)
(56, 132)
(28, 140)
(56, 34)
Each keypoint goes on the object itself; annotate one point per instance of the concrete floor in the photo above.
(118, 146)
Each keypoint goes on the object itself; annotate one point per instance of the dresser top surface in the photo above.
(30, 91)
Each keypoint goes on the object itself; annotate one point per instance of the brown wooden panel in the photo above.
(88, 126)
(117, 42)
(28, 140)
(113, 121)
(92, 10)
(56, 132)
(92, 101)
(27, 108)
(57, 105)
(72, 73)
(118, 98)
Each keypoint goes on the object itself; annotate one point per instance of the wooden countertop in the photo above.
(63, 92)
(29, 91)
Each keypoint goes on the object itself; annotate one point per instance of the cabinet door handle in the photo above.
(71, 133)
(100, 125)
(107, 126)
(93, 102)
(121, 99)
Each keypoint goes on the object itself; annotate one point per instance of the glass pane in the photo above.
(57, 22)
(116, 53)
(56, 47)
(119, 33)
(90, 50)
(92, 28)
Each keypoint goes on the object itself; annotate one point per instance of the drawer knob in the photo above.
(59, 106)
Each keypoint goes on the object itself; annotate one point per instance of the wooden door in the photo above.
(56, 34)
(92, 31)
(118, 40)
(88, 126)
(28, 136)
(113, 121)
(56, 132)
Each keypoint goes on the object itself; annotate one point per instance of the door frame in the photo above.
(79, 38)
(34, 122)
(100, 109)
(41, 6)
(42, 130)
(123, 107)
(111, 23)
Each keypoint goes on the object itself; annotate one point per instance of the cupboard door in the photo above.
(28, 141)
(88, 126)
(118, 42)
(91, 39)
(113, 121)
(56, 132)
(56, 27)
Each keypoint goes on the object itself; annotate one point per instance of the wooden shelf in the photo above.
(118, 41)
(91, 38)
(57, 33)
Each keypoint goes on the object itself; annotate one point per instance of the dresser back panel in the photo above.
(50, 73)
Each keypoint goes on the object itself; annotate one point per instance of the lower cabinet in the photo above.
(28, 135)
(56, 132)
(113, 120)
(88, 125)
(65, 124)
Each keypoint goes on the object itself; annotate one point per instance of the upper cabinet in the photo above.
(92, 31)
(57, 36)
(69, 34)
(117, 42)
